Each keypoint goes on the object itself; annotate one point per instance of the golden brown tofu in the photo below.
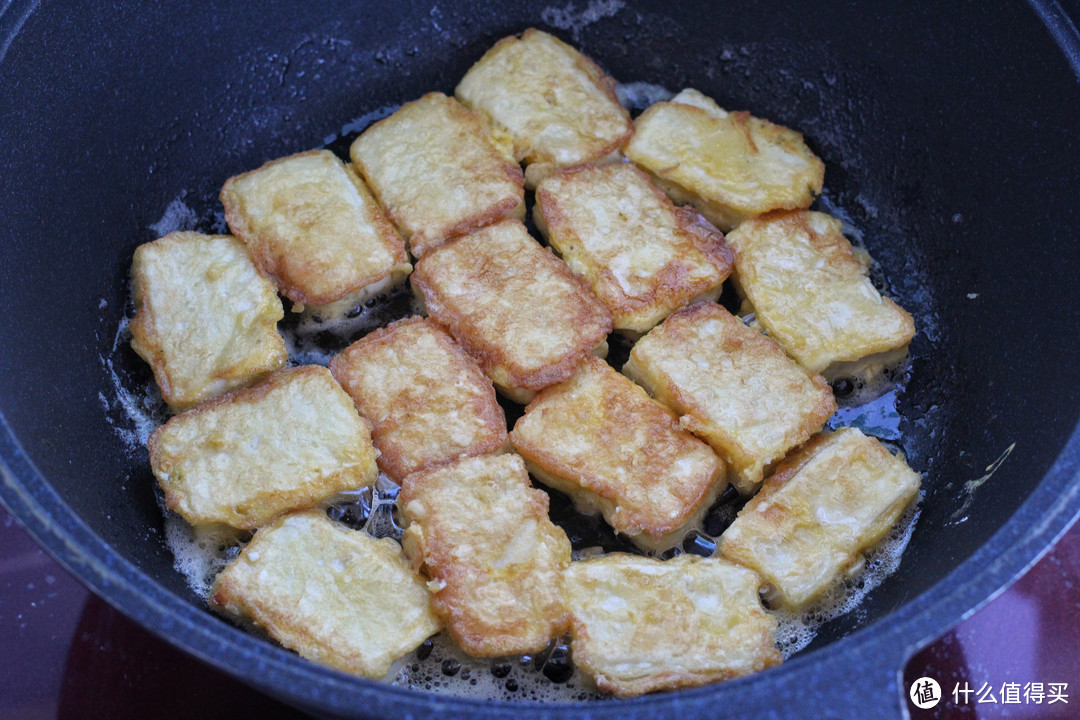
(733, 387)
(514, 306)
(426, 398)
(642, 256)
(337, 596)
(826, 503)
(641, 625)
(603, 441)
(314, 228)
(481, 533)
(437, 173)
(810, 291)
(730, 166)
(205, 319)
(558, 106)
(287, 443)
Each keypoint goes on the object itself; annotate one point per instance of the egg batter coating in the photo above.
(513, 306)
(640, 625)
(603, 441)
(426, 399)
(729, 165)
(205, 319)
(733, 387)
(558, 107)
(642, 256)
(336, 596)
(481, 533)
(826, 503)
(287, 443)
(810, 290)
(314, 228)
(437, 172)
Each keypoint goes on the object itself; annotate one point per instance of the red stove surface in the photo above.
(67, 654)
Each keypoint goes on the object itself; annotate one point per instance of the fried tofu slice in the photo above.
(514, 306)
(314, 228)
(828, 502)
(603, 441)
(287, 443)
(733, 387)
(810, 291)
(729, 165)
(642, 256)
(557, 106)
(205, 319)
(427, 400)
(437, 172)
(336, 596)
(640, 625)
(482, 535)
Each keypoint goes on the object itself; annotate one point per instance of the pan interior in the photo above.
(953, 156)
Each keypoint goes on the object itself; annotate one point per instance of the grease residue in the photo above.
(568, 17)
(971, 486)
(133, 410)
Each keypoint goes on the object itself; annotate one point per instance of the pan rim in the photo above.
(1052, 506)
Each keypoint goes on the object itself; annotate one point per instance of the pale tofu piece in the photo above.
(495, 561)
(733, 387)
(642, 256)
(826, 503)
(514, 306)
(336, 596)
(558, 107)
(205, 319)
(640, 625)
(437, 172)
(314, 228)
(287, 443)
(729, 165)
(426, 398)
(810, 291)
(603, 441)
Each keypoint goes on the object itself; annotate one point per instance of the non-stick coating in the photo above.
(950, 134)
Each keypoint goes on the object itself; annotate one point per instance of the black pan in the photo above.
(950, 132)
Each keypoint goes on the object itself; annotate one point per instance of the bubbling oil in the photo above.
(796, 630)
(438, 665)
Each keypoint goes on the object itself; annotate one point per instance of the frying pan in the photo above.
(950, 133)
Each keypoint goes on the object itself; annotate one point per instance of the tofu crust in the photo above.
(313, 227)
(810, 292)
(640, 625)
(287, 443)
(336, 596)
(733, 387)
(481, 533)
(642, 256)
(601, 439)
(558, 107)
(514, 306)
(829, 501)
(427, 400)
(729, 165)
(437, 172)
(205, 319)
